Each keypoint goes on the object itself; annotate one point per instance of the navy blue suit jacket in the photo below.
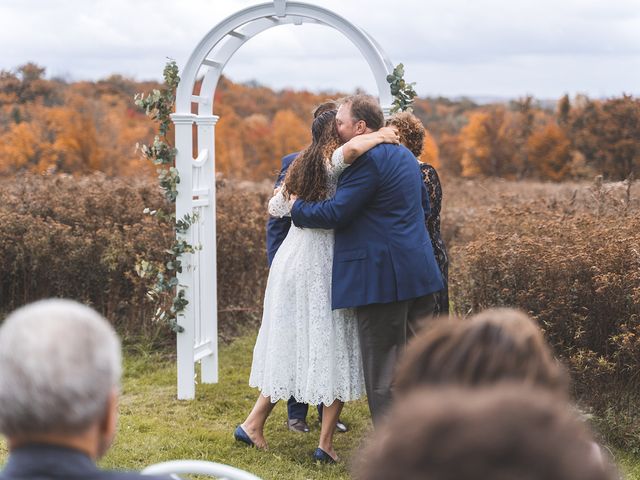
(277, 228)
(38, 462)
(382, 250)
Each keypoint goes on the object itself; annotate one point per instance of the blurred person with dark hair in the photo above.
(304, 349)
(384, 265)
(60, 367)
(277, 229)
(496, 345)
(506, 432)
(412, 133)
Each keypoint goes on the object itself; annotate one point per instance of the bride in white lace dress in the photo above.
(304, 349)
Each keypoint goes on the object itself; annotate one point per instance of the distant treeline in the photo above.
(50, 125)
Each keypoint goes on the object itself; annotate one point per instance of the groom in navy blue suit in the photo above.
(383, 260)
(277, 229)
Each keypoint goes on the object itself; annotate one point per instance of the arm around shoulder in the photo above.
(355, 189)
(362, 143)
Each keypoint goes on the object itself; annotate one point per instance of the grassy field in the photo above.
(162, 428)
(155, 427)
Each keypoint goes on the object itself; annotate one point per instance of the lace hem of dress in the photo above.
(286, 394)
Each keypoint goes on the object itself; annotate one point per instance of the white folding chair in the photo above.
(198, 467)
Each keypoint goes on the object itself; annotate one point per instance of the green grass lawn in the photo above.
(155, 427)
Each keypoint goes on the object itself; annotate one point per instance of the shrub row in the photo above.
(80, 237)
(578, 273)
(568, 255)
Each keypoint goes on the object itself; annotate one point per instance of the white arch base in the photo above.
(196, 190)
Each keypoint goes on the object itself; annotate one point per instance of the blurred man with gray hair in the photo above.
(60, 367)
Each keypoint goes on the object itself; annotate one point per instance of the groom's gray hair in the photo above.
(59, 363)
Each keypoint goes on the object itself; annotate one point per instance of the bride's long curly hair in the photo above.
(307, 177)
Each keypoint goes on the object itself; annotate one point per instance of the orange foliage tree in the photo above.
(51, 126)
(430, 152)
(450, 150)
(488, 144)
(290, 133)
(229, 134)
(54, 126)
(549, 152)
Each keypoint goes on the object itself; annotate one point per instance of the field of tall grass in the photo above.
(568, 254)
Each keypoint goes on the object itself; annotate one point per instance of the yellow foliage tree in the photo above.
(77, 137)
(488, 144)
(450, 154)
(257, 144)
(550, 152)
(290, 133)
(18, 147)
(229, 151)
(430, 153)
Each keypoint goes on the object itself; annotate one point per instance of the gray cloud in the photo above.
(449, 47)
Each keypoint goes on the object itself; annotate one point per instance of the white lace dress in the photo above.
(304, 349)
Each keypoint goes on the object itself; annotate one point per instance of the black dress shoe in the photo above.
(297, 425)
(321, 456)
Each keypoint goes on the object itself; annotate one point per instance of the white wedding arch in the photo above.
(197, 190)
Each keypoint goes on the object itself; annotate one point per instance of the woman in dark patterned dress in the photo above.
(412, 133)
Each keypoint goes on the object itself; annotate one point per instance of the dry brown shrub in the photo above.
(569, 254)
(570, 257)
(80, 237)
(242, 258)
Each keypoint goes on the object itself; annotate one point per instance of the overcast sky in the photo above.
(503, 48)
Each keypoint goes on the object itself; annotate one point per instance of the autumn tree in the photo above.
(28, 85)
(451, 151)
(257, 144)
(290, 133)
(523, 128)
(620, 136)
(488, 144)
(19, 148)
(563, 111)
(49, 125)
(430, 152)
(582, 126)
(549, 152)
(229, 134)
(607, 133)
(10, 86)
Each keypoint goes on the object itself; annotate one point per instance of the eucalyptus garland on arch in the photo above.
(402, 91)
(165, 290)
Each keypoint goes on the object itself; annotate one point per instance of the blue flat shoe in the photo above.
(322, 456)
(241, 436)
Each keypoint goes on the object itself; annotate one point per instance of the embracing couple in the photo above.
(352, 277)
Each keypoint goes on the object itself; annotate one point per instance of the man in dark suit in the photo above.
(60, 371)
(383, 260)
(277, 228)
